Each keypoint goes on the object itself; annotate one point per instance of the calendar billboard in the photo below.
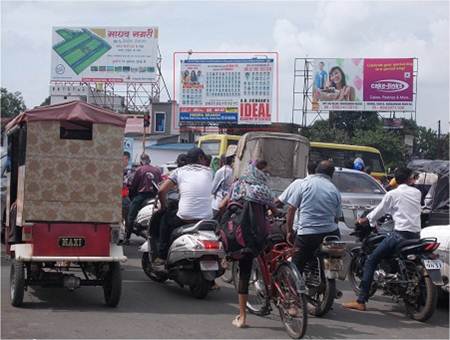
(382, 84)
(226, 91)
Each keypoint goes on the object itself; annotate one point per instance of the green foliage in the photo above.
(388, 142)
(366, 128)
(321, 132)
(11, 103)
(46, 101)
(352, 121)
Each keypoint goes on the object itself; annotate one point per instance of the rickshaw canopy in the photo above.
(439, 167)
(69, 111)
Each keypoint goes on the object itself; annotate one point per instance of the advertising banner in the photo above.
(363, 84)
(104, 54)
(226, 91)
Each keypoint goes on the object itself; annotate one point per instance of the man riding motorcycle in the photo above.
(403, 204)
(142, 187)
(317, 203)
(194, 182)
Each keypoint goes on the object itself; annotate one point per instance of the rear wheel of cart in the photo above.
(17, 282)
(112, 286)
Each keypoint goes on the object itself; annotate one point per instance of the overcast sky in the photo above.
(294, 29)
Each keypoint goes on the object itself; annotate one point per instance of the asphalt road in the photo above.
(151, 310)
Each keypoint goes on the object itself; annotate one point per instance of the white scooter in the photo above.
(194, 257)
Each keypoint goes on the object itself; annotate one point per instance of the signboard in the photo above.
(104, 54)
(363, 84)
(226, 91)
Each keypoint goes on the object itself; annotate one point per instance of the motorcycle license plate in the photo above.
(209, 265)
(432, 264)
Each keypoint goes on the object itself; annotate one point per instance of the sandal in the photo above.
(237, 323)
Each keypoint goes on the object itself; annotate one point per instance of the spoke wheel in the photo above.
(258, 297)
(291, 301)
(421, 304)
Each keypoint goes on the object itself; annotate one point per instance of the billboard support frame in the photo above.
(302, 94)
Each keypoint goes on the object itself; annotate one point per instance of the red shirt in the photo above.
(143, 180)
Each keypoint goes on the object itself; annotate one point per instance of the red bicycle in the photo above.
(275, 280)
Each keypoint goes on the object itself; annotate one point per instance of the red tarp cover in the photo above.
(75, 110)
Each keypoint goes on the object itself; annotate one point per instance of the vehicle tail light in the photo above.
(27, 233)
(431, 246)
(207, 244)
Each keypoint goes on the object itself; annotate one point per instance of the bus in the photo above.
(344, 154)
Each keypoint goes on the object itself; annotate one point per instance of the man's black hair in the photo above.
(126, 153)
(182, 160)
(312, 165)
(195, 154)
(402, 174)
(326, 168)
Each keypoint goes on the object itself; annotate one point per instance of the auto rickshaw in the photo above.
(64, 199)
(285, 153)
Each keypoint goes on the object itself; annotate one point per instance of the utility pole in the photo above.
(439, 148)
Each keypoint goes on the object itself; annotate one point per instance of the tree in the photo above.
(46, 101)
(320, 131)
(350, 121)
(389, 143)
(11, 103)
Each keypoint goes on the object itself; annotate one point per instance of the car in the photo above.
(442, 233)
(359, 192)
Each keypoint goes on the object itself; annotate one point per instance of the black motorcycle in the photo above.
(411, 274)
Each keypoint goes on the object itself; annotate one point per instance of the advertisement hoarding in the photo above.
(104, 54)
(226, 91)
(363, 84)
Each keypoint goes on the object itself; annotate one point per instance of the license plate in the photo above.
(209, 265)
(432, 264)
(72, 242)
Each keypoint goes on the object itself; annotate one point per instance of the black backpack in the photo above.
(243, 229)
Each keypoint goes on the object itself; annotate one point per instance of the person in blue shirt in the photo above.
(315, 203)
(320, 77)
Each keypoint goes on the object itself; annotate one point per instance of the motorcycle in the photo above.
(194, 257)
(411, 274)
(321, 273)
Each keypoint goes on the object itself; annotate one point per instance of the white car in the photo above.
(442, 233)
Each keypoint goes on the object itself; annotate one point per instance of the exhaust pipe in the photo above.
(338, 294)
(71, 282)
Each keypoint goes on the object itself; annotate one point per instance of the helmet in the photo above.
(358, 164)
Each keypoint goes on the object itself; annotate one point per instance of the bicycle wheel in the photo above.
(258, 296)
(291, 300)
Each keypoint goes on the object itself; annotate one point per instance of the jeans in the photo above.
(306, 245)
(385, 249)
(169, 222)
(133, 210)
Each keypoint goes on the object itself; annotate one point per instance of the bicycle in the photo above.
(275, 280)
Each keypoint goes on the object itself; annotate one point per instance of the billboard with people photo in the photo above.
(363, 84)
(226, 91)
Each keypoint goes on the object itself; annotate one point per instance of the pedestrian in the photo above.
(223, 178)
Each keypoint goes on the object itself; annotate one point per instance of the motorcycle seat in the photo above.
(205, 225)
(406, 245)
(375, 239)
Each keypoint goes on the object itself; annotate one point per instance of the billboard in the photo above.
(226, 91)
(363, 84)
(104, 54)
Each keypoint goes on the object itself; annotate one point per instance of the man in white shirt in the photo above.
(403, 204)
(223, 179)
(194, 182)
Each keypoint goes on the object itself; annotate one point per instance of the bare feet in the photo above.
(237, 322)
